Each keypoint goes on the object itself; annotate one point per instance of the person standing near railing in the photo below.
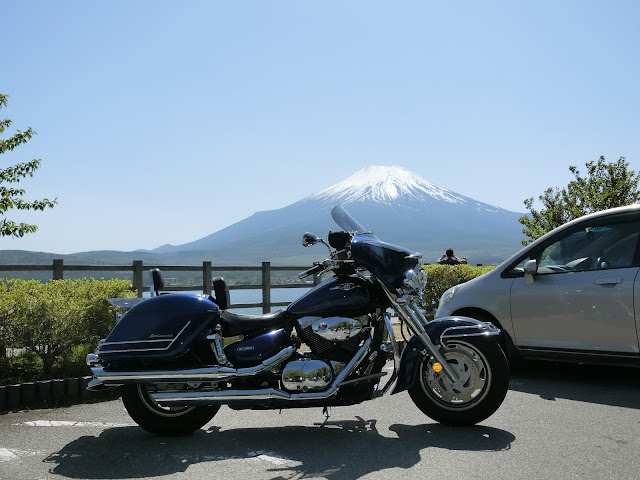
(450, 259)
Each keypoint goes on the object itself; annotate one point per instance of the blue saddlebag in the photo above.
(160, 327)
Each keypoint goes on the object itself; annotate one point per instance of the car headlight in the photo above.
(448, 295)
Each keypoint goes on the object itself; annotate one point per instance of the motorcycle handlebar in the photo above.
(315, 269)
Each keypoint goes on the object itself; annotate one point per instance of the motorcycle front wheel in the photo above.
(483, 381)
(167, 421)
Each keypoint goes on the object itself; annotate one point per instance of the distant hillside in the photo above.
(25, 257)
(397, 205)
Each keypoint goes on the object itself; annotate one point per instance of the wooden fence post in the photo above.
(137, 277)
(207, 279)
(58, 269)
(266, 287)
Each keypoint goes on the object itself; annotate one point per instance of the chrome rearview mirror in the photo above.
(310, 239)
(530, 271)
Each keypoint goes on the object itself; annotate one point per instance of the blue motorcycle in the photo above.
(178, 357)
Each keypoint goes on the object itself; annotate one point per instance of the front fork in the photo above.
(411, 314)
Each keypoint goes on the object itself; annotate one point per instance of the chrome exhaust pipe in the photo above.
(217, 398)
(208, 374)
(204, 397)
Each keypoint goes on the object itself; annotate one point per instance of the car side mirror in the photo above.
(530, 271)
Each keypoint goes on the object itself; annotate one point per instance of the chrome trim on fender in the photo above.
(93, 360)
(483, 329)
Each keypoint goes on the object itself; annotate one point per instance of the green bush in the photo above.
(54, 321)
(442, 277)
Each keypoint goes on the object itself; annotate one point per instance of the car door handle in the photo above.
(609, 281)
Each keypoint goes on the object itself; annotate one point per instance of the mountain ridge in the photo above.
(383, 185)
(397, 205)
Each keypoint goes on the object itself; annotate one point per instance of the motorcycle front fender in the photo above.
(439, 332)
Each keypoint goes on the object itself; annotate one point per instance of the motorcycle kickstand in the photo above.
(326, 411)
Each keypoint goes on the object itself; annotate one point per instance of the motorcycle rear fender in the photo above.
(439, 332)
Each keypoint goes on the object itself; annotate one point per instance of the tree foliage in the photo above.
(11, 197)
(49, 319)
(607, 185)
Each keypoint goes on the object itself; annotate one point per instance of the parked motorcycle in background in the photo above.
(179, 357)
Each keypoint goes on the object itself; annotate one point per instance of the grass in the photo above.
(398, 334)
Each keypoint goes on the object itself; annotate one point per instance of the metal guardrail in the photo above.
(138, 270)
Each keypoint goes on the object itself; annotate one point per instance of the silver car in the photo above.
(572, 295)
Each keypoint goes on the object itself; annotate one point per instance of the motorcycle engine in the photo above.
(328, 336)
(309, 375)
(333, 342)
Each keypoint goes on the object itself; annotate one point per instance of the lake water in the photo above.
(255, 296)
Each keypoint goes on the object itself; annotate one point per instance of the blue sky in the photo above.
(163, 121)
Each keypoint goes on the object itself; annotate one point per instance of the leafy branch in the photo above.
(11, 198)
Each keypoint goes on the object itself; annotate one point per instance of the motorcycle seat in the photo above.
(237, 323)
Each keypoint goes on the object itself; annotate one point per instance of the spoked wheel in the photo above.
(483, 381)
(146, 412)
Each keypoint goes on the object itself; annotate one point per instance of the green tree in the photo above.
(607, 185)
(11, 197)
(49, 319)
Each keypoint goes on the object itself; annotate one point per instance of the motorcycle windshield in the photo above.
(346, 221)
(386, 261)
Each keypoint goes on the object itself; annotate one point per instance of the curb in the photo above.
(51, 393)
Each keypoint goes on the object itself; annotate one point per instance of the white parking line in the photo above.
(66, 423)
(8, 455)
(269, 457)
(261, 455)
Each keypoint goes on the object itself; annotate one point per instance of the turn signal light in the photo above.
(437, 367)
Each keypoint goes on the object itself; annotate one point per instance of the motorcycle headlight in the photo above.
(415, 282)
(448, 295)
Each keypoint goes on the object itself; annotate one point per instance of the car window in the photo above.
(592, 248)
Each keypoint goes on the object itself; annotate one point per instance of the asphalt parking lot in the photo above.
(557, 422)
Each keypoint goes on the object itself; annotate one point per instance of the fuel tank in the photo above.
(345, 296)
(159, 327)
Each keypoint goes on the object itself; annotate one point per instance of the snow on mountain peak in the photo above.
(385, 185)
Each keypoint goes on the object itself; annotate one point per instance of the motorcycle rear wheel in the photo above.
(483, 371)
(166, 421)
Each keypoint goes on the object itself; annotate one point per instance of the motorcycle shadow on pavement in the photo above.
(347, 449)
(606, 385)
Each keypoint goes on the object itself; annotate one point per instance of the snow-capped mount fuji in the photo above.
(397, 205)
(394, 186)
(390, 185)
